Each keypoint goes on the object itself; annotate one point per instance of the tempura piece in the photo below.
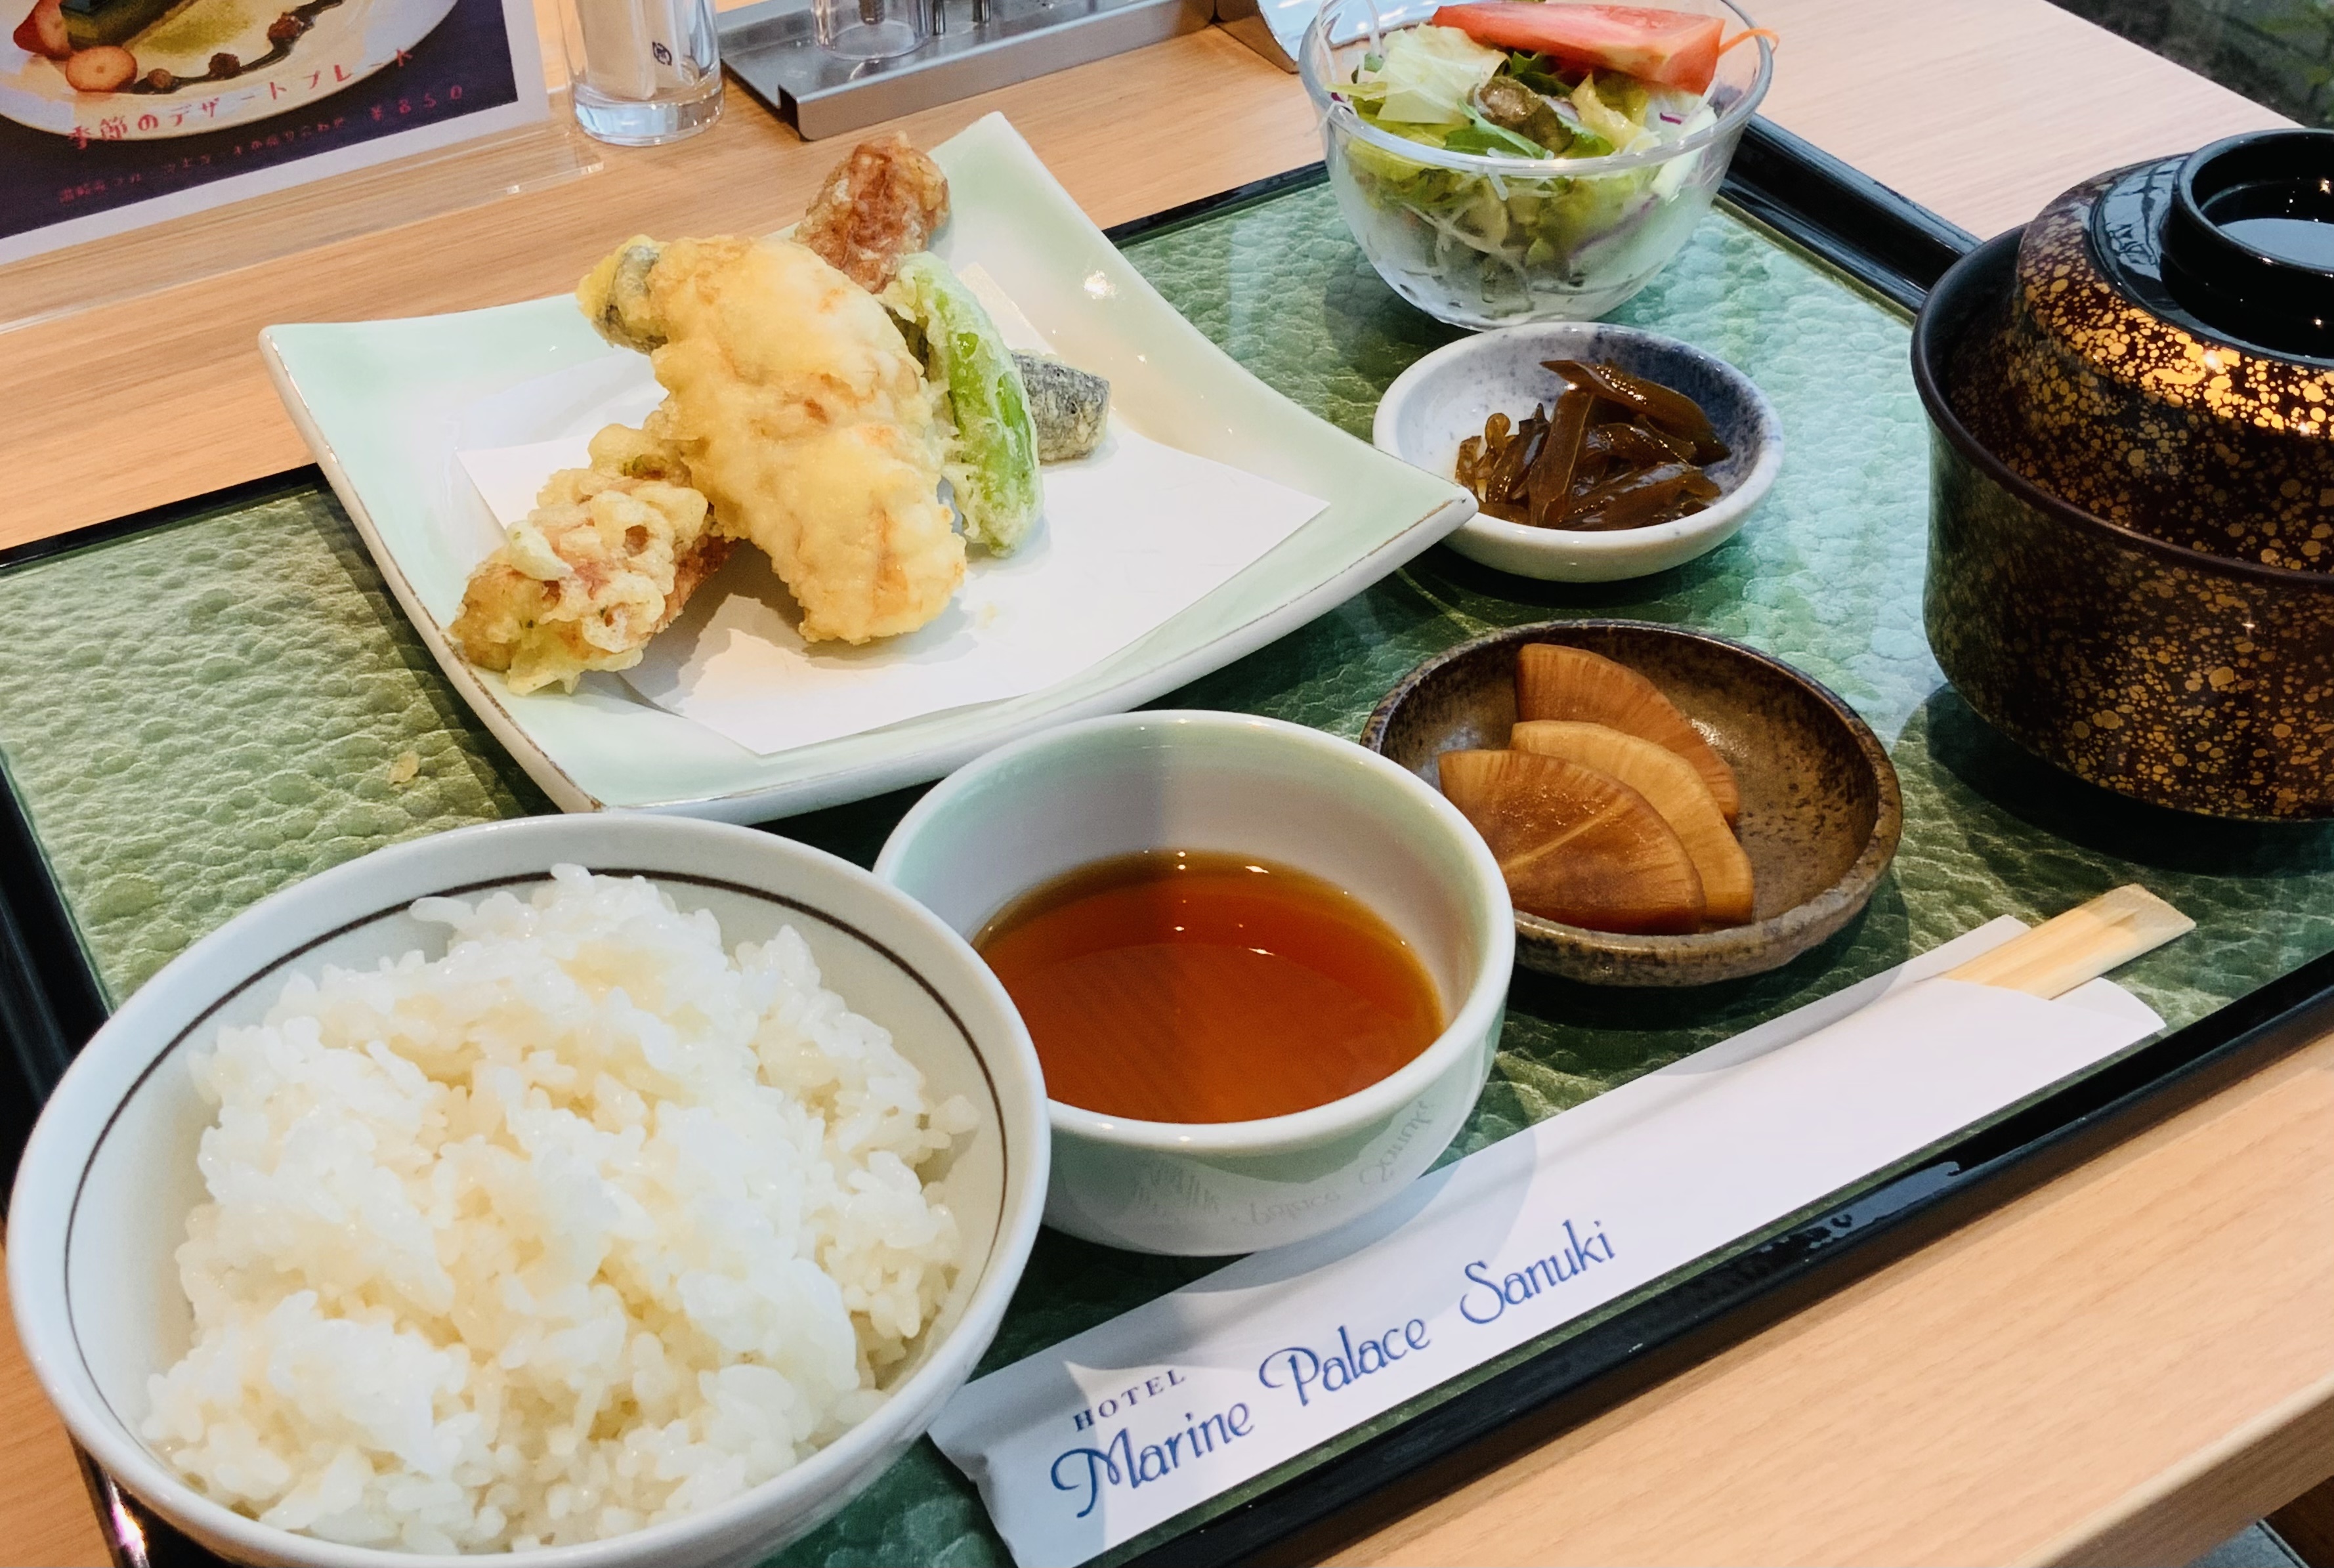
(601, 565)
(1068, 407)
(615, 295)
(880, 206)
(992, 447)
(637, 454)
(799, 412)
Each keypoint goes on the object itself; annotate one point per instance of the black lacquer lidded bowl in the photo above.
(2131, 563)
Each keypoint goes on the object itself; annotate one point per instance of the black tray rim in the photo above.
(52, 1000)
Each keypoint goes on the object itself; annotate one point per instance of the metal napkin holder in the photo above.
(976, 46)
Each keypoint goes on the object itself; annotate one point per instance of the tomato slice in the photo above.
(42, 32)
(1669, 48)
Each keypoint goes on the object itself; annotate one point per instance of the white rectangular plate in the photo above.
(377, 401)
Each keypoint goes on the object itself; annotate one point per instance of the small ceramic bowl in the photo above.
(1822, 813)
(1445, 397)
(103, 1194)
(1027, 814)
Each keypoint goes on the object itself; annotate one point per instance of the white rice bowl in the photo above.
(584, 1226)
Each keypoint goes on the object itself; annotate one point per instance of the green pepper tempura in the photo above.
(991, 462)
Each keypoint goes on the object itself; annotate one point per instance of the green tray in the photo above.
(196, 714)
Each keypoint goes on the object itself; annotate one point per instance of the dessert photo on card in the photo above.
(115, 114)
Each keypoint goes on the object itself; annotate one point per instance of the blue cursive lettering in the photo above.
(1304, 1369)
(1485, 1298)
(1122, 1462)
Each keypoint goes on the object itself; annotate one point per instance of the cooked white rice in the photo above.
(582, 1227)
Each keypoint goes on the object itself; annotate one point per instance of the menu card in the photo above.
(141, 110)
(1088, 1444)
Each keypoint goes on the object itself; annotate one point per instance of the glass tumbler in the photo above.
(870, 29)
(643, 72)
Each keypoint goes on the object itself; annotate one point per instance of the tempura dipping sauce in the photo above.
(1185, 986)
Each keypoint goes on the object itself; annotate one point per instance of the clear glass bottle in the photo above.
(643, 72)
(870, 29)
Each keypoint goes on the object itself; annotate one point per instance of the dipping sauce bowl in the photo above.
(1027, 813)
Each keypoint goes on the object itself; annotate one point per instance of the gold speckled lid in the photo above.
(2108, 387)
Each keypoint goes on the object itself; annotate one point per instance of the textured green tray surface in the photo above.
(196, 715)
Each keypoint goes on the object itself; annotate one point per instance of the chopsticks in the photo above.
(2080, 946)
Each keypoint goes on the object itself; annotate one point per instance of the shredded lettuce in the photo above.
(1539, 73)
(1613, 122)
(1585, 143)
(1480, 135)
(1430, 74)
(1427, 84)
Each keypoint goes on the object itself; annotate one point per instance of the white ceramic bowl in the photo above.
(103, 1194)
(1028, 812)
(1445, 397)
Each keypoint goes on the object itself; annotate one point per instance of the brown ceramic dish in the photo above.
(1822, 813)
(2165, 673)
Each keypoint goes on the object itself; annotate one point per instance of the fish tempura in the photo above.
(795, 406)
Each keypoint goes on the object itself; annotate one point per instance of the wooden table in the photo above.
(2127, 1364)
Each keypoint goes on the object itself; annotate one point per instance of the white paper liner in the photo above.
(1132, 536)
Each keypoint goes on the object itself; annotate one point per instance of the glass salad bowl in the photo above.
(1481, 226)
